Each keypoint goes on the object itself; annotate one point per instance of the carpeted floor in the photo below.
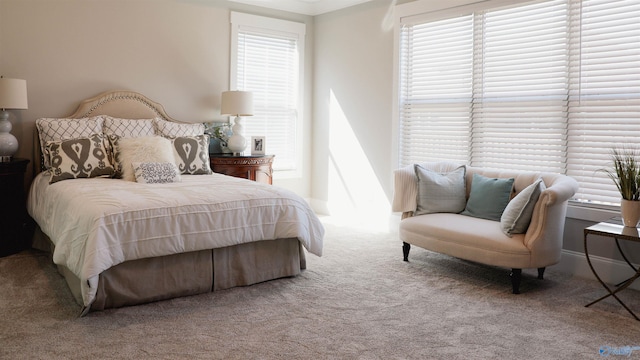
(358, 301)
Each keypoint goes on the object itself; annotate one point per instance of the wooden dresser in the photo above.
(253, 167)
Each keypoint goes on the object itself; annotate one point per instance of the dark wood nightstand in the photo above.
(13, 212)
(253, 167)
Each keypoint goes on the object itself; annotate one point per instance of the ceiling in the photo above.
(306, 7)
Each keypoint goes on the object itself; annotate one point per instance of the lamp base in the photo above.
(8, 142)
(237, 143)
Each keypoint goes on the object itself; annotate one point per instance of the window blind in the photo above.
(267, 62)
(542, 86)
(605, 91)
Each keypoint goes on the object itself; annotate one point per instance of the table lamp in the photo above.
(237, 103)
(13, 95)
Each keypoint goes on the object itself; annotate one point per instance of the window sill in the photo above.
(586, 213)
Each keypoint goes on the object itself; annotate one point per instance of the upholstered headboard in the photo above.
(121, 104)
(116, 103)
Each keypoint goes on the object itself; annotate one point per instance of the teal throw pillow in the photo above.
(517, 215)
(488, 197)
(440, 192)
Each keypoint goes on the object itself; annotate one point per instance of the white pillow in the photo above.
(128, 128)
(142, 150)
(172, 129)
(440, 193)
(517, 215)
(54, 129)
(156, 173)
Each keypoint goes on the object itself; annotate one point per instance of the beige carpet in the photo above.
(359, 301)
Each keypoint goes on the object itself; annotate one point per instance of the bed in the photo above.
(174, 229)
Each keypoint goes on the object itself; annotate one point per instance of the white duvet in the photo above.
(98, 223)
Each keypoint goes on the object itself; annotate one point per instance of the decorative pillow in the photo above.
(141, 150)
(128, 128)
(517, 215)
(488, 197)
(52, 129)
(78, 158)
(440, 193)
(192, 154)
(111, 145)
(156, 173)
(172, 129)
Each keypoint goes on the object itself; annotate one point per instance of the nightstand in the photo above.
(253, 167)
(13, 212)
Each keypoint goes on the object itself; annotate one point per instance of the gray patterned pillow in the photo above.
(172, 129)
(78, 158)
(128, 128)
(192, 154)
(54, 129)
(156, 172)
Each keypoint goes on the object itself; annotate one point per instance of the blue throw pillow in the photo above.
(488, 197)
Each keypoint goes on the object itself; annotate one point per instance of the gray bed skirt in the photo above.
(152, 279)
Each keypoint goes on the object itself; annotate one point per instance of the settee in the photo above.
(526, 233)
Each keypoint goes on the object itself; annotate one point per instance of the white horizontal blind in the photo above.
(520, 88)
(605, 91)
(436, 90)
(555, 85)
(268, 64)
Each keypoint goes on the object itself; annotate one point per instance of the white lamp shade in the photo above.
(238, 103)
(13, 94)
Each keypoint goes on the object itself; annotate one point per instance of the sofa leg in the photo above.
(516, 276)
(541, 273)
(405, 250)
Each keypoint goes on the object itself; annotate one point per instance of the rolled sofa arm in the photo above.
(547, 221)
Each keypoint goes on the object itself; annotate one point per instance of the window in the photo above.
(544, 86)
(267, 59)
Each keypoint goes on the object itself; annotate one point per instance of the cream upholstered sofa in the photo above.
(482, 240)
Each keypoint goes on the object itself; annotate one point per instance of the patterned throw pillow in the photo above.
(156, 173)
(172, 129)
(111, 145)
(192, 154)
(78, 158)
(53, 129)
(128, 128)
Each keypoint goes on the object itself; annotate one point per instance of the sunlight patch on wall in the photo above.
(354, 192)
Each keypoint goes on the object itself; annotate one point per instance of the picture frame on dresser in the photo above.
(258, 145)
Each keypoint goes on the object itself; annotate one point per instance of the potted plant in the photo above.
(626, 176)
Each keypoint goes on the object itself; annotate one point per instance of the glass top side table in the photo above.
(614, 230)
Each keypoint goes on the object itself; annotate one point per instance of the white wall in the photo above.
(176, 52)
(352, 111)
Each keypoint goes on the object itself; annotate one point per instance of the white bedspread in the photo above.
(98, 223)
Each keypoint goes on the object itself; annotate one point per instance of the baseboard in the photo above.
(610, 271)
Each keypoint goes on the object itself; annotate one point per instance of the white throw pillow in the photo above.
(128, 128)
(517, 215)
(142, 150)
(173, 129)
(440, 193)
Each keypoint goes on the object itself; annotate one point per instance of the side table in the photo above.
(253, 167)
(13, 212)
(613, 230)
